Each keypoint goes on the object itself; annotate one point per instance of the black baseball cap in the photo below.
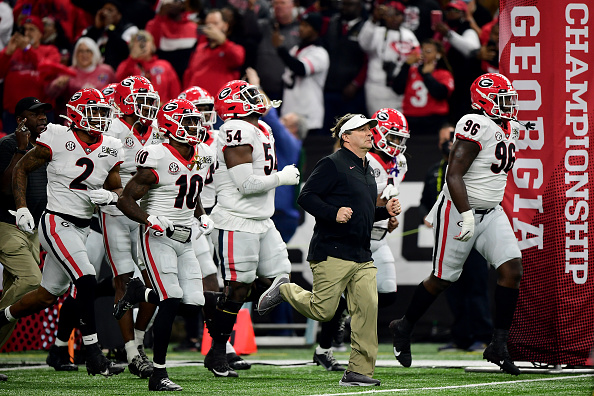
(30, 103)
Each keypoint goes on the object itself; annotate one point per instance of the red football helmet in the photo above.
(109, 93)
(179, 120)
(495, 95)
(239, 98)
(136, 95)
(203, 101)
(88, 110)
(391, 133)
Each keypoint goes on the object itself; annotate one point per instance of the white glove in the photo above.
(103, 196)
(289, 176)
(160, 223)
(467, 226)
(24, 219)
(390, 191)
(202, 226)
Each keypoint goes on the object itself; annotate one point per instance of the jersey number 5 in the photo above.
(269, 157)
(507, 157)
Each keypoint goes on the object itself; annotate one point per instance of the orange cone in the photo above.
(242, 338)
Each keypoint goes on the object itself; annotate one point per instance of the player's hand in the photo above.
(24, 219)
(392, 224)
(206, 224)
(159, 223)
(344, 214)
(103, 196)
(393, 207)
(390, 192)
(467, 226)
(289, 176)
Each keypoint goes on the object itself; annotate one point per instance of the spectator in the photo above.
(111, 32)
(477, 15)
(488, 54)
(6, 24)
(417, 17)
(306, 69)
(269, 65)
(174, 34)
(244, 30)
(53, 34)
(216, 59)
(19, 251)
(426, 87)
(143, 62)
(89, 69)
(343, 91)
(387, 45)
(19, 66)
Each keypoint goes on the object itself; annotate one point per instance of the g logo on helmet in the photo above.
(382, 116)
(108, 91)
(224, 93)
(170, 107)
(485, 83)
(75, 97)
(127, 82)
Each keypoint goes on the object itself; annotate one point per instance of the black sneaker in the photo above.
(59, 359)
(216, 362)
(328, 361)
(237, 363)
(497, 353)
(160, 383)
(99, 364)
(350, 378)
(272, 297)
(134, 294)
(140, 367)
(401, 342)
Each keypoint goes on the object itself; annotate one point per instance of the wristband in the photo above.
(19, 151)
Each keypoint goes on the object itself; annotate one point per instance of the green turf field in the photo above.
(299, 378)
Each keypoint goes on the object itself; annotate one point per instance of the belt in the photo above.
(77, 221)
(483, 211)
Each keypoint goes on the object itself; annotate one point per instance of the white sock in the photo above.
(229, 348)
(90, 339)
(162, 366)
(131, 350)
(60, 343)
(9, 315)
(320, 350)
(139, 337)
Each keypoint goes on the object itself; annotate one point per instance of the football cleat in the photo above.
(59, 359)
(401, 342)
(237, 363)
(140, 367)
(159, 383)
(350, 378)
(327, 360)
(272, 297)
(99, 364)
(497, 353)
(134, 294)
(216, 362)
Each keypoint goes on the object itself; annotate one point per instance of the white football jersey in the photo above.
(208, 195)
(75, 168)
(132, 143)
(487, 176)
(387, 173)
(230, 202)
(179, 182)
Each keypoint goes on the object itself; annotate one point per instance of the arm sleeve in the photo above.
(399, 82)
(247, 183)
(381, 213)
(466, 43)
(316, 60)
(294, 64)
(435, 88)
(322, 180)
(366, 37)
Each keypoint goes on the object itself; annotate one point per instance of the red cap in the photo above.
(34, 20)
(458, 5)
(396, 5)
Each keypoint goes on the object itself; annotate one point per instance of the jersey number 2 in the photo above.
(89, 166)
(193, 192)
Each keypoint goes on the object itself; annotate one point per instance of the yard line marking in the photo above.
(456, 386)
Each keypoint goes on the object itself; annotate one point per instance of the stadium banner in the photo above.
(547, 56)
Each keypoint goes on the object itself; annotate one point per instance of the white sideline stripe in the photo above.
(455, 386)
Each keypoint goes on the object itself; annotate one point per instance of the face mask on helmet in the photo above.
(146, 107)
(179, 120)
(98, 117)
(506, 104)
(394, 141)
(495, 96)
(88, 110)
(207, 111)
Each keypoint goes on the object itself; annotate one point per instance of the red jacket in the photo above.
(171, 35)
(210, 68)
(21, 75)
(158, 71)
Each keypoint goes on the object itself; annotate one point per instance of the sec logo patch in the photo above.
(173, 168)
(70, 145)
(129, 142)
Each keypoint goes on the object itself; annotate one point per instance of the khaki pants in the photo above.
(19, 254)
(330, 279)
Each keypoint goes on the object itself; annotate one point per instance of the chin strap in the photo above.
(528, 125)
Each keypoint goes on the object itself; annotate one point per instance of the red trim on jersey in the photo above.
(61, 245)
(149, 132)
(230, 256)
(48, 147)
(86, 145)
(156, 174)
(385, 165)
(209, 136)
(444, 237)
(154, 266)
(462, 137)
(117, 163)
(263, 129)
(107, 249)
(177, 155)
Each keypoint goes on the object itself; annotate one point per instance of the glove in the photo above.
(202, 226)
(24, 219)
(160, 223)
(103, 196)
(390, 191)
(289, 176)
(467, 226)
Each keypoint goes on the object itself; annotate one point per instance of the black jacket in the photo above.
(341, 179)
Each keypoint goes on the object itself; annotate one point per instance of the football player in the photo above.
(169, 179)
(136, 128)
(247, 243)
(467, 214)
(83, 170)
